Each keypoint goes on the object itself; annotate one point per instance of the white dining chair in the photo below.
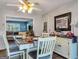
(13, 54)
(45, 34)
(45, 48)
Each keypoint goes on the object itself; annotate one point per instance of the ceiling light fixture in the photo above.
(26, 6)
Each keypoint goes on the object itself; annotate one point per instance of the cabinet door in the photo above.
(62, 47)
(8, 27)
(16, 27)
(23, 27)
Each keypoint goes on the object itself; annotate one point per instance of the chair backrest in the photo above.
(45, 34)
(45, 46)
(18, 36)
(18, 39)
(6, 44)
(9, 44)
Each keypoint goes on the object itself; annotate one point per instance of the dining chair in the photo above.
(18, 39)
(23, 45)
(45, 34)
(12, 54)
(45, 48)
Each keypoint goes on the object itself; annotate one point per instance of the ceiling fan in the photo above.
(25, 6)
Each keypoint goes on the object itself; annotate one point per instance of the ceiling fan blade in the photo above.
(21, 1)
(36, 9)
(13, 5)
(36, 3)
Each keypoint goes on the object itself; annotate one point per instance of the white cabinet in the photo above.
(12, 27)
(64, 48)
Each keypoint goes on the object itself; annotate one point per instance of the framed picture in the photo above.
(45, 27)
(62, 22)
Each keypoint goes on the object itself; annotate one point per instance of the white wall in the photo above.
(2, 24)
(37, 23)
(2, 29)
(38, 27)
(68, 7)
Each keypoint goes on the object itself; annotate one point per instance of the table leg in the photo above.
(27, 54)
(23, 54)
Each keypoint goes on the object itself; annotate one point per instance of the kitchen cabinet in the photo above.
(16, 26)
(66, 48)
(13, 27)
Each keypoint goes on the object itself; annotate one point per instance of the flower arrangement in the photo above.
(69, 34)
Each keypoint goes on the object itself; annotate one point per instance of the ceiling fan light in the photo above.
(23, 11)
(25, 7)
(32, 4)
(20, 8)
(30, 10)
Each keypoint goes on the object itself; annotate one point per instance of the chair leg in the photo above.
(23, 55)
(51, 56)
(9, 57)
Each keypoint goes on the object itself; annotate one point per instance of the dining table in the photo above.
(27, 46)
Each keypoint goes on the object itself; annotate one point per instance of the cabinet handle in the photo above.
(59, 45)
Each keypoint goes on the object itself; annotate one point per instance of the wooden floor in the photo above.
(2, 53)
(3, 57)
(56, 56)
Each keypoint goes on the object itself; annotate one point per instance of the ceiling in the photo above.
(44, 5)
